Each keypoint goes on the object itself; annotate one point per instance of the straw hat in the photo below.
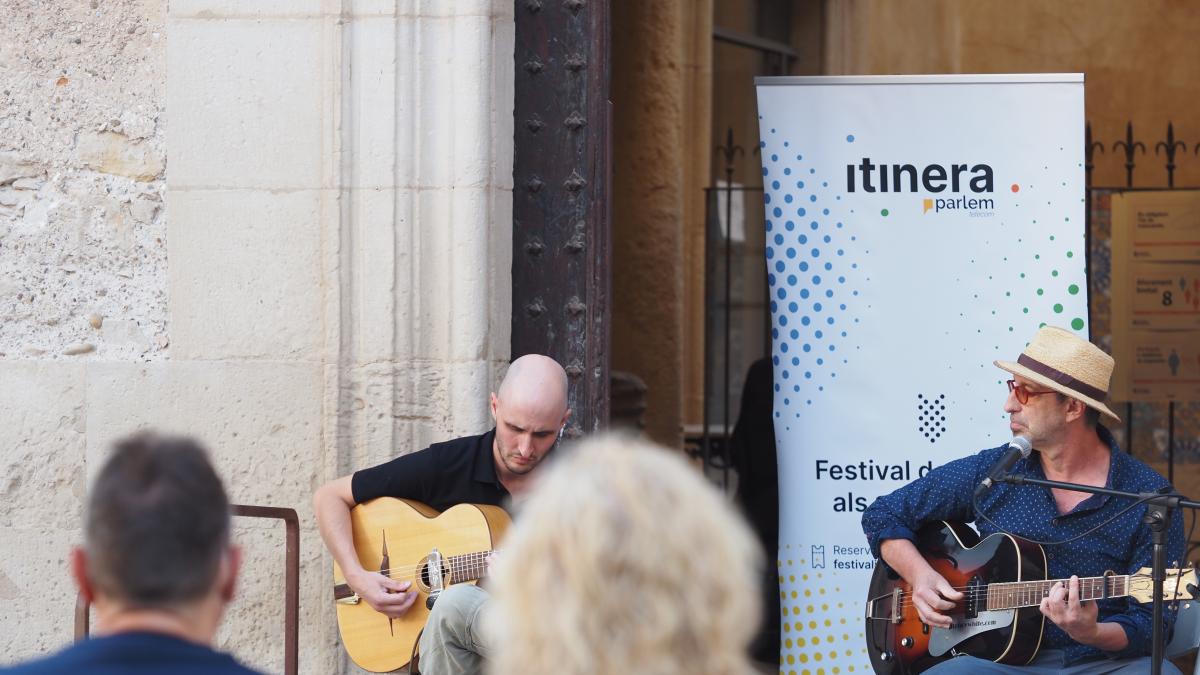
(1068, 364)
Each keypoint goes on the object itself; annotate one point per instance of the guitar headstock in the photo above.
(1175, 584)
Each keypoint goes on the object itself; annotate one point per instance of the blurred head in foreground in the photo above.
(157, 538)
(156, 565)
(625, 560)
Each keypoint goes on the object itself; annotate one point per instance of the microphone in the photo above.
(1019, 447)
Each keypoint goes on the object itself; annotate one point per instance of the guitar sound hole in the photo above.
(423, 577)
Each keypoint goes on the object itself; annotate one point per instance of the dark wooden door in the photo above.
(561, 177)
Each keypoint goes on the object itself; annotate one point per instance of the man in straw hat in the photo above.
(1055, 401)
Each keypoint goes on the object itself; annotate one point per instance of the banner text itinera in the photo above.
(918, 227)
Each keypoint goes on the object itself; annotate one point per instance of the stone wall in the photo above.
(82, 153)
(281, 226)
(1140, 59)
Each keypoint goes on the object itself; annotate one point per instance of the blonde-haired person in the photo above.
(624, 560)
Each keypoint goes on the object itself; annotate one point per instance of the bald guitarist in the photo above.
(530, 411)
(1055, 400)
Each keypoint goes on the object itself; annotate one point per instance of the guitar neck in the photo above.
(468, 566)
(1016, 594)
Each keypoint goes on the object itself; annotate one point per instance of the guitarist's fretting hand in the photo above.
(1078, 619)
(384, 595)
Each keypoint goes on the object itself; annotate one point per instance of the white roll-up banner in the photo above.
(918, 228)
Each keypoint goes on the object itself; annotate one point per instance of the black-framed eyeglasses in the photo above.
(1023, 393)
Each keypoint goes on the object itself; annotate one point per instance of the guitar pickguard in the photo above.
(942, 640)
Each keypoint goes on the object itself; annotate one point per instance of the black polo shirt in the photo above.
(461, 471)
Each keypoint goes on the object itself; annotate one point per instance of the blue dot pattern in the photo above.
(1030, 511)
(813, 259)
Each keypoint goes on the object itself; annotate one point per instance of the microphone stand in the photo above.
(1160, 507)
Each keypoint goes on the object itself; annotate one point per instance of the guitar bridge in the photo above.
(434, 576)
(342, 595)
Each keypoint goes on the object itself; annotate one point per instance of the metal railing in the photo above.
(291, 598)
(1129, 147)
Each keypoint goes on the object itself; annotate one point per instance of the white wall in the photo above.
(330, 267)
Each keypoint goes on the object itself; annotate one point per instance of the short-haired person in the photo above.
(157, 564)
(624, 560)
(530, 411)
(1055, 400)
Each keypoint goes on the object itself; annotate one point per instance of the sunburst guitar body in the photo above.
(409, 541)
(1003, 580)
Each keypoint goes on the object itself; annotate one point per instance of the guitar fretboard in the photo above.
(1030, 593)
(468, 566)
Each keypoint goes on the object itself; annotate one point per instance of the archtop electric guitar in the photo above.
(1003, 579)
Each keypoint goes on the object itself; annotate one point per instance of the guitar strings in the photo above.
(980, 592)
(412, 569)
(1182, 573)
(456, 564)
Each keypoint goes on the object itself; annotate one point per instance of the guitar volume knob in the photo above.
(907, 642)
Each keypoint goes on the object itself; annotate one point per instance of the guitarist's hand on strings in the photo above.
(930, 590)
(930, 593)
(1078, 619)
(384, 595)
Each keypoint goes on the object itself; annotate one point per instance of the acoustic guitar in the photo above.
(409, 541)
(1003, 579)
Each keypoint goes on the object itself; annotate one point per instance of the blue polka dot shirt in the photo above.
(1029, 511)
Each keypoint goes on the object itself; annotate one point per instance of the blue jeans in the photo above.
(1049, 662)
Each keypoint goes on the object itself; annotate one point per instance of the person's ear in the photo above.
(1075, 409)
(493, 407)
(231, 564)
(79, 572)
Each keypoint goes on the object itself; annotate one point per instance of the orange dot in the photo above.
(1016, 188)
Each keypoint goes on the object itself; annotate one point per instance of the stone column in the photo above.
(340, 245)
(648, 182)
